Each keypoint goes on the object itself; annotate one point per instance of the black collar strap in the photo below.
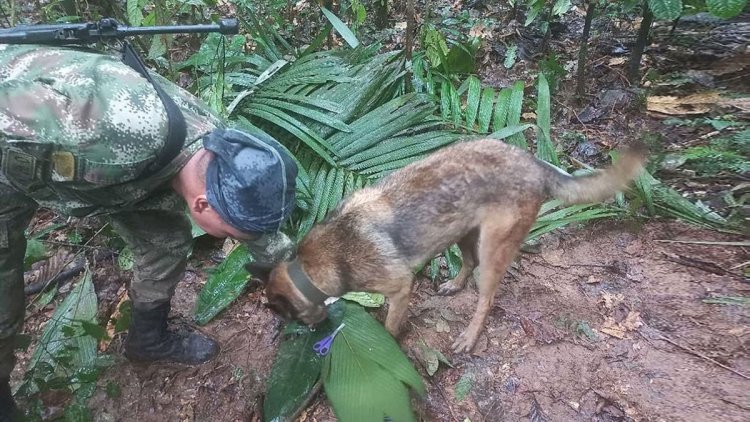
(304, 284)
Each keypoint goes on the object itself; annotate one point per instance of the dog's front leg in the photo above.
(398, 306)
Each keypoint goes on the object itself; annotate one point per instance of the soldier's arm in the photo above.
(267, 251)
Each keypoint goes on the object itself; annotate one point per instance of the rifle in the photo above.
(106, 28)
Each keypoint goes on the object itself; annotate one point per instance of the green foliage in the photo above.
(126, 260)
(464, 385)
(35, 252)
(295, 372)
(545, 148)
(729, 300)
(552, 70)
(669, 203)
(365, 375)
(431, 358)
(224, 285)
(510, 56)
(726, 9)
(723, 154)
(666, 9)
(368, 300)
(341, 28)
(65, 356)
(552, 216)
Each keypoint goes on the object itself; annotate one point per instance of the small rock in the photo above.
(587, 149)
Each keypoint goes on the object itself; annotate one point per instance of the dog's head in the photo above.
(285, 298)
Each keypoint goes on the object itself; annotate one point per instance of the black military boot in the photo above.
(149, 339)
(8, 410)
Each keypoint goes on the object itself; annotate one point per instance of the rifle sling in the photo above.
(176, 126)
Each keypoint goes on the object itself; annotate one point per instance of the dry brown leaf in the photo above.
(480, 30)
(632, 321)
(44, 271)
(529, 115)
(616, 61)
(611, 300)
(614, 332)
(740, 103)
(103, 344)
(694, 104)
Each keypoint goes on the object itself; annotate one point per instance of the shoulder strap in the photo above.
(176, 127)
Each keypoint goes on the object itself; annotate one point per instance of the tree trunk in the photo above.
(634, 66)
(583, 51)
(381, 13)
(409, 43)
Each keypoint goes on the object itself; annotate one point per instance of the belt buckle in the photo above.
(63, 166)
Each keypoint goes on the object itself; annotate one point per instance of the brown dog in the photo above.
(483, 195)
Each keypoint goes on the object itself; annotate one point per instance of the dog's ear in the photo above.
(261, 272)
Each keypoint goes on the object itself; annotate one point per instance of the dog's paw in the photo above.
(449, 288)
(465, 342)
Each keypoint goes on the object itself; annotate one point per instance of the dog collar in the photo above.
(303, 283)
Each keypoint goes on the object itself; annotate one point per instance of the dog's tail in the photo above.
(601, 184)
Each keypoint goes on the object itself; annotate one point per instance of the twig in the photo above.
(740, 265)
(310, 396)
(708, 267)
(705, 242)
(72, 245)
(696, 353)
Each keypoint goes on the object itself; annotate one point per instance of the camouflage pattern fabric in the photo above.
(91, 105)
(77, 127)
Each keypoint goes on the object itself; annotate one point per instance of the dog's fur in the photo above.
(484, 195)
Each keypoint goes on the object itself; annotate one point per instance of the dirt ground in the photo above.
(660, 362)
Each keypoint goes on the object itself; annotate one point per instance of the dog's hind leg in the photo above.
(468, 247)
(499, 240)
(398, 303)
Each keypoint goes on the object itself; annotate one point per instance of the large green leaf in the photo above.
(545, 149)
(726, 8)
(341, 28)
(666, 9)
(472, 100)
(485, 109)
(366, 374)
(514, 114)
(225, 283)
(502, 106)
(64, 346)
(551, 218)
(295, 372)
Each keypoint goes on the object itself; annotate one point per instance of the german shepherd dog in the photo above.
(484, 195)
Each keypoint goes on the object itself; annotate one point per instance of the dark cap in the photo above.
(250, 181)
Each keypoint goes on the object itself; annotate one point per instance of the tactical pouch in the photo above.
(24, 168)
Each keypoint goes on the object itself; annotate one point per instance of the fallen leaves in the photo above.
(699, 103)
(619, 330)
(430, 358)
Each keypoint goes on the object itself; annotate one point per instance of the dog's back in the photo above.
(419, 210)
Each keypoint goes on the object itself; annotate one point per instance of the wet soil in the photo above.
(546, 348)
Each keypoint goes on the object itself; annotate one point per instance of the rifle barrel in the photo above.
(180, 29)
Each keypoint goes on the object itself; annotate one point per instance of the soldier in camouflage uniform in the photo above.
(78, 132)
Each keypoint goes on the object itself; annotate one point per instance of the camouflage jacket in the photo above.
(57, 103)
